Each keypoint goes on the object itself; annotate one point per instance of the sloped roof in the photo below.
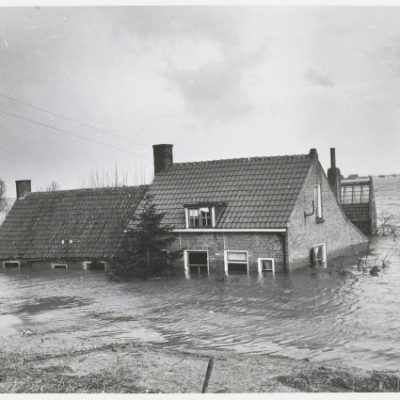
(259, 192)
(92, 218)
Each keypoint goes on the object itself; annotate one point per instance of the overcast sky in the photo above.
(216, 82)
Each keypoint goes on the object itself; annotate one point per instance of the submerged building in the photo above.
(251, 214)
(233, 216)
(66, 228)
(356, 197)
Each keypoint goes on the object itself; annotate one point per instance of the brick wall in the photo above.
(258, 245)
(339, 234)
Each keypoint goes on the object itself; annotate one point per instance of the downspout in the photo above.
(286, 249)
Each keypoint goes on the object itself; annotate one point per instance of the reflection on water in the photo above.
(322, 316)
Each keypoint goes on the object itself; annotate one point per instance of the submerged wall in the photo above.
(258, 245)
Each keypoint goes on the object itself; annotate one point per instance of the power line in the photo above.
(68, 119)
(69, 133)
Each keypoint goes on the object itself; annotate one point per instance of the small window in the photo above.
(357, 194)
(196, 262)
(347, 194)
(194, 218)
(94, 265)
(11, 264)
(318, 254)
(318, 202)
(202, 217)
(59, 266)
(236, 262)
(365, 194)
(266, 265)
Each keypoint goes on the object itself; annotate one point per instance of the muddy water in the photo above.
(325, 316)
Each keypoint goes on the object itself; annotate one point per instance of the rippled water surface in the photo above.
(325, 316)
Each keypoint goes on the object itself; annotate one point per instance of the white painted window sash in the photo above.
(226, 261)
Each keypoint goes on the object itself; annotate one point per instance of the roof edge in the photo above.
(212, 230)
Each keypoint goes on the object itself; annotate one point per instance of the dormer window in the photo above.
(201, 217)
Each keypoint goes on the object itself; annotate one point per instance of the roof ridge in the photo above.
(83, 190)
(222, 160)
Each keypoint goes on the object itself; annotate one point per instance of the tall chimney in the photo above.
(163, 158)
(334, 175)
(23, 187)
(313, 154)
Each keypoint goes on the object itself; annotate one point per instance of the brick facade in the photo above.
(258, 245)
(335, 230)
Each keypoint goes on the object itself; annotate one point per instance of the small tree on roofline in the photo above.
(144, 249)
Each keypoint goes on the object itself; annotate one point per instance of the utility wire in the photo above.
(69, 133)
(69, 119)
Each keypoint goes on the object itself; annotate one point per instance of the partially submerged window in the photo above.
(94, 265)
(318, 202)
(11, 264)
(318, 254)
(266, 265)
(196, 262)
(59, 265)
(200, 217)
(355, 194)
(236, 262)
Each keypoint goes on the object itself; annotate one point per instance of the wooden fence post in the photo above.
(208, 374)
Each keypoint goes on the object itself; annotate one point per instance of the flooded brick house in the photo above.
(251, 214)
(66, 228)
(233, 216)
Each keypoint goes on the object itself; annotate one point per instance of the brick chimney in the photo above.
(23, 187)
(334, 175)
(163, 159)
(313, 154)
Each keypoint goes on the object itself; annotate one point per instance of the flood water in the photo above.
(325, 316)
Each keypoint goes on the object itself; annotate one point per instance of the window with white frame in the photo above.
(59, 266)
(318, 254)
(318, 202)
(236, 262)
(95, 265)
(266, 265)
(196, 262)
(200, 217)
(11, 264)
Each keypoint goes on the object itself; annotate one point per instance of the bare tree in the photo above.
(53, 186)
(99, 178)
(50, 188)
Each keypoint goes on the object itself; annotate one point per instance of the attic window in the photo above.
(200, 217)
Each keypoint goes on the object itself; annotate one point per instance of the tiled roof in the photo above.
(259, 192)
(92, 218)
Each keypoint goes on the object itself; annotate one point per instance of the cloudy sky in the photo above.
(86, 88)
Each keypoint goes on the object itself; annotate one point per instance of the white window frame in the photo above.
(12, 262)
(226, 268)
(187, 218)
(86, 264)
(186, 260)
(54, 265)
(323, 252)
(259, 262)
